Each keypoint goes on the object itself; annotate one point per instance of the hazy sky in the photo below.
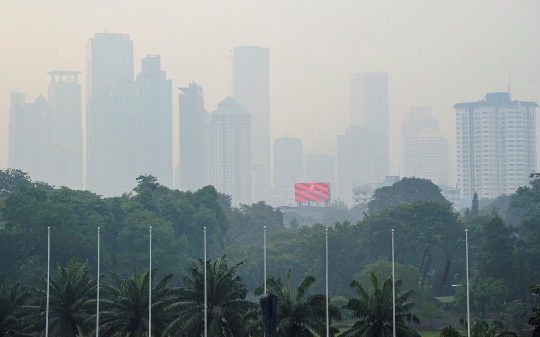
(436, 53)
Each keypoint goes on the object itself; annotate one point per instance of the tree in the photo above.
(480, 328)
(474, 206)
(11, 180)
(147, 181)
(72, 294)
(404, 191)
(226, 298)
(486, 294)
(535, 319)
(12, 307)
(497, 259)
(125, 305)
(374, 310)
(300, 314)
(515, 313)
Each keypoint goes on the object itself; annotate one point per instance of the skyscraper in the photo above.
(65, 98)
(32, 140)
(191, 171)
(231, 142)
(155, 98)
(369, 108)
(288, 162)
(251, 87)
(109, 60)
(496, 145)
(321, 168)
(425, 150)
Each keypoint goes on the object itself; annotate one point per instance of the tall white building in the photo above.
(108, 62)
(496, 145)
(155, 98)
(251, 87)
(231, 143)
(65, 98)
(191, 170)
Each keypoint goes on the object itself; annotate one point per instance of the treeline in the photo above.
(429, 238)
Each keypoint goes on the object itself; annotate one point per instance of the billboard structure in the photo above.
(312, 194)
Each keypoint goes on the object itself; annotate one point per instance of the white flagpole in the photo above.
(205, 298)
(393, 290)
(327, 313)
(265, 259)
(150, 289)
(97, 310)
(467, 274)
(48, 279)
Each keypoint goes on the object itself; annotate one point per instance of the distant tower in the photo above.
(496, 145)
(231, 142)
(251, 87)
(32, 140)
(288, 162)
(65, 98)
(321, 168)
(191, 171)
(155, 97)
(109, 61)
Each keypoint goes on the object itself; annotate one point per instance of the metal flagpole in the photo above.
(150, 289)
(393, 290)
(205, 297)
(48, 279)
(265, 259)
(97, 310)
(467, 275)
(327, 314)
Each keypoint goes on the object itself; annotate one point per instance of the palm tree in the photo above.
(535, 319)
(12, 302)
(72, 293)
(125, 305)
(480, 328)
(374, 310)
(226, 298)
(300, 314)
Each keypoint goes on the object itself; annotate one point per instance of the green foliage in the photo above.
(474, 206)
(516, 314)
(13, 300)
(374, 309)
(485, 294)
(534, 320)
(406, 190)
(498, 251)
(480, 328)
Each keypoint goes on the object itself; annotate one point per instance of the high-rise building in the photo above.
(369, 109)
(321, 168)
(288, 162)
(251, 87)
(109, 61)
(32, 140)
(155, 98)
(425, 150)
(191, 171)
(231, 143)
(65, 98)
(427, 156)
(496, 145)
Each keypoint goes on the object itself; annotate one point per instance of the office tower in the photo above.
(369, 108)
(288, 162)
(231, 142)
(191, 172)
(108, 61)
(356, 150)
(155, 138)
(427, 156)
(425, 150)
(208, 150)
(124, 138)
(251, 87)
(32, 144)
(65, 98)
(321, 168)
(496, 145)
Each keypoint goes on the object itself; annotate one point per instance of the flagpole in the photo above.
(393, 290)
(48, 279)
(150, 289)
(265, 259)
(327, 314)
(98, 257)
(205, 296)
(467, 275)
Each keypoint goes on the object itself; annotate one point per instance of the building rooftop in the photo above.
(230, 105)
(495, 99)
